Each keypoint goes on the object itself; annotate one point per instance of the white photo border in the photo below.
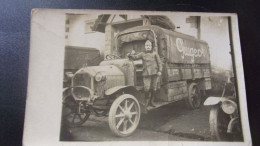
(44, 93)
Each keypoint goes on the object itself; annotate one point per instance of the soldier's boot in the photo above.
(146, 98)
(151, 101)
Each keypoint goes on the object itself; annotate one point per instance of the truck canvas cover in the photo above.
(186, 50)
(174, 46)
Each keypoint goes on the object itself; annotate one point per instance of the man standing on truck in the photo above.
(152, 70)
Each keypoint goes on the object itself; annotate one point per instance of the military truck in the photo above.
(115, 87)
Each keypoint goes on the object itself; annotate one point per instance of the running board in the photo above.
(160, 103)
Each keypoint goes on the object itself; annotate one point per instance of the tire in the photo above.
(203, 94)
(237, 131)
(219, 121)
(124, 115)
(193, 101)
(71, 116)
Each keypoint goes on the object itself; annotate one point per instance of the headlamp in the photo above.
(229, 107)
(100, 76)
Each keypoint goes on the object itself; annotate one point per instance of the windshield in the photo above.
(133, 41)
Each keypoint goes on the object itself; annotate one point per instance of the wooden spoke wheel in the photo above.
(193, 101)
(72, 115)
(124, 115)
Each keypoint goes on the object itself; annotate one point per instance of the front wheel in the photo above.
(219, 121)
(124, 115)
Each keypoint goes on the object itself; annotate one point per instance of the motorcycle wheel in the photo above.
(219, 121)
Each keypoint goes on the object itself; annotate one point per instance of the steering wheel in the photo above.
(111, 56)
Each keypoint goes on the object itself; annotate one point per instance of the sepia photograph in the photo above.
(136, 77)
(129, 73)
(99, 77)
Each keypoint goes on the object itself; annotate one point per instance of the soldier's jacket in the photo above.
(151, 62)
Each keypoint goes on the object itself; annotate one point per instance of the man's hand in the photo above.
(159, 73)
(129, 55)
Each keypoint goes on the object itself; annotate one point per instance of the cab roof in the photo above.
(159, 31)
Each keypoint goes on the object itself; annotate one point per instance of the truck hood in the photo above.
(107, 69)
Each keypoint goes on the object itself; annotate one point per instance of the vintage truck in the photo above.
(115, 87)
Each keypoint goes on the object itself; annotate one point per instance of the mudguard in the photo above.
(214, 100)
(115, 89)
(129, 90)
(66, 93)
(125, 89)
(232, 123)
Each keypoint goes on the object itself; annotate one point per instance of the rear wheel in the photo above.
(193, 100)
(124, 115)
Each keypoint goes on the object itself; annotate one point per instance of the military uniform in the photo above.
(151, 66)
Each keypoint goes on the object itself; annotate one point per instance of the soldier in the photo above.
(152, 69)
